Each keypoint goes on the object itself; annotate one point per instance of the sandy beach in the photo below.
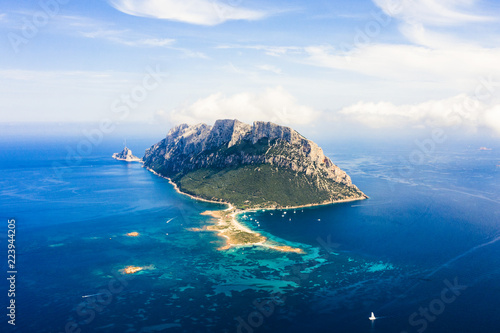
(235, 233)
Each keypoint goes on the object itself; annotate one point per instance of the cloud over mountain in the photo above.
(462, 111)
(273, 104)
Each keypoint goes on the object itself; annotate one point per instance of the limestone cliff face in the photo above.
(231, 143)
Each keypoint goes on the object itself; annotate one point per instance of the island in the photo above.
(126, 155)
(248, 167)
(134, 269)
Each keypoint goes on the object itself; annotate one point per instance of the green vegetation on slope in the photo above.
(253, 186)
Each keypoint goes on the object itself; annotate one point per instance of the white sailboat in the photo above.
(372, 317)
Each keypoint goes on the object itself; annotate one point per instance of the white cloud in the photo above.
(202, 12)
(492, 118)
(95, 29)
(430, 56)
(270, 68)
(152, 42)
(127, 38)
(156, 41)
(270, 50)
(274, 104)
(461, 111)
(433, 12)
(190, 53)
(416, 17)
(411, 62)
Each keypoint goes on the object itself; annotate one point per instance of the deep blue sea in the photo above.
(423, 253)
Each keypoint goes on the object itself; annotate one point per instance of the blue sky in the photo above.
(384, 64)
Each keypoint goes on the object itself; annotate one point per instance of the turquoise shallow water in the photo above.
(393, 254)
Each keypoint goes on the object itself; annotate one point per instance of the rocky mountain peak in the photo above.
(229, 145)
(261, 129)
(229, 132)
